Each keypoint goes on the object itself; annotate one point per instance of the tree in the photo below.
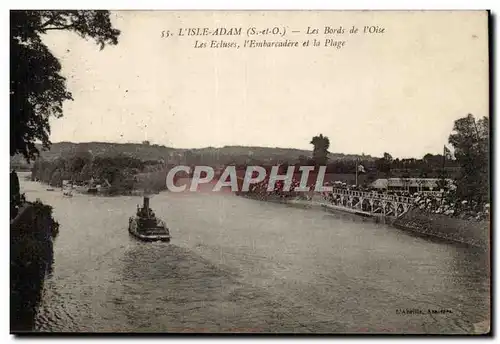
(78, 161)
(470, 140)
(371, 176)
(320, 151)
(15, 200)
(383, 165)
(433, 161)
(37, 89)
(428, 158)
(85, 173)
(387, 157)
(56, 178)
(304, 160)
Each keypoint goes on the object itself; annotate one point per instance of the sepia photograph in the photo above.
(250, 172)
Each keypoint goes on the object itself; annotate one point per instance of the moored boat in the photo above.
(146, 226)
(67, 189)
(67, 193)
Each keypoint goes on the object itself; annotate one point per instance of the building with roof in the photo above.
(409, 184)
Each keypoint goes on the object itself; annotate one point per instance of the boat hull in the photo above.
(149, 238)
(160, 233)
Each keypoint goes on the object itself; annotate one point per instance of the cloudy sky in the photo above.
(396, 92)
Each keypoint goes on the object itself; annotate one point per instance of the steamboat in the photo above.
(146, 226)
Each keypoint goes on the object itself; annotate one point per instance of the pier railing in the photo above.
(432, 193)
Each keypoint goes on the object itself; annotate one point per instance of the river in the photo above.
(239, 265)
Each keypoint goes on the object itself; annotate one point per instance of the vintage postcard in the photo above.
(310, 172)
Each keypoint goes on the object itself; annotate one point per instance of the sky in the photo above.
(398, 91)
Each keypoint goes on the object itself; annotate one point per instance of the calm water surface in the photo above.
(240, 265)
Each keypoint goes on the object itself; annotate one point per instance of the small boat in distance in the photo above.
(67, 193)
(67, 189)
(146, 226)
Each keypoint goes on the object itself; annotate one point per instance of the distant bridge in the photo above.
(369, 203)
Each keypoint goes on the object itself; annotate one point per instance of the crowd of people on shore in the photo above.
(448, 204)
(434, 203)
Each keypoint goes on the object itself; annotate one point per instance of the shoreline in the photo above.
(59, 189)
(32, 233)
(438, 226)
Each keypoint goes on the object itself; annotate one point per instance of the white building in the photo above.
(409, 184)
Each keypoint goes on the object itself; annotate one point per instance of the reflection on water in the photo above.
(239, 265)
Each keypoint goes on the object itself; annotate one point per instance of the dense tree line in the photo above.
(120, 171)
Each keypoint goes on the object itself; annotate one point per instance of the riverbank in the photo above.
(473, 233)
(104, 192)
(116, 194)
(32, 233)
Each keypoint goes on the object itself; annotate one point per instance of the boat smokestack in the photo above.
(146, 202)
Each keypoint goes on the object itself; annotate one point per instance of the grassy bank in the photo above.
(474, 233)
